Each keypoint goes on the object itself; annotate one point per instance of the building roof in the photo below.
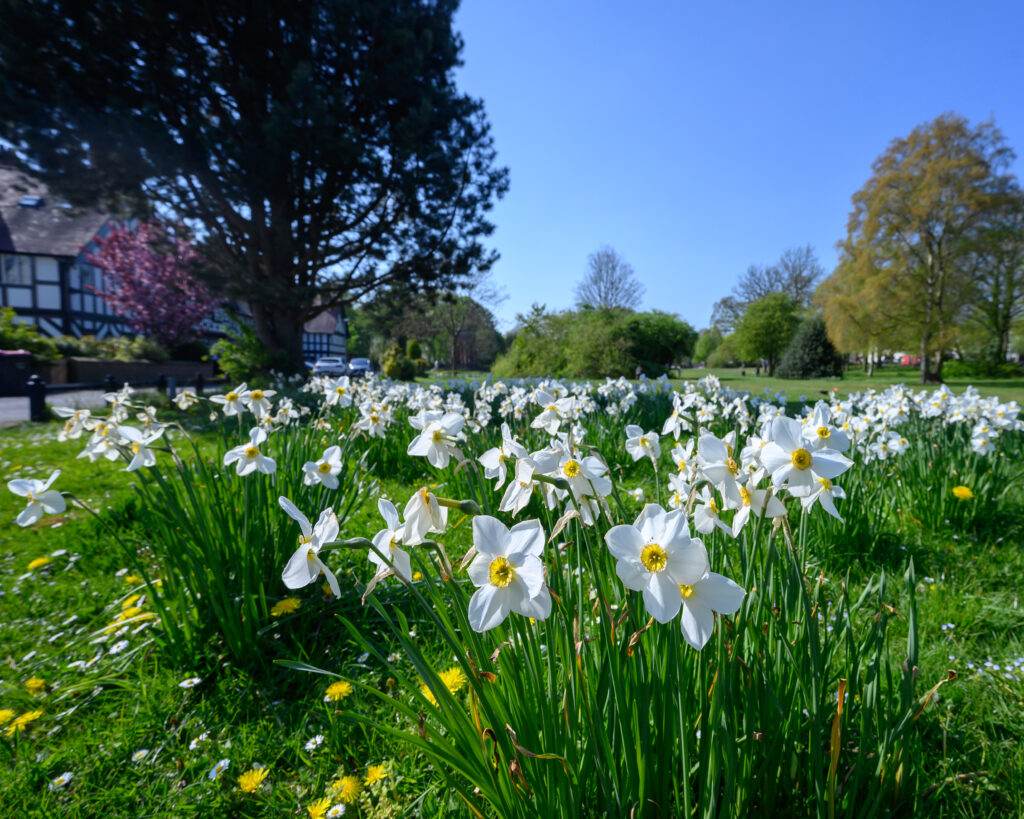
(32, 222)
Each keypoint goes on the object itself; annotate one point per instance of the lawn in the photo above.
(854, 380)
(131, 722)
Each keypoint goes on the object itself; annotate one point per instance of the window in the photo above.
(15, 269)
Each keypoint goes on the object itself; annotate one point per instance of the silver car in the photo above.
(330, 365)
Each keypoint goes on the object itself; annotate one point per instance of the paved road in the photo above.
(15, 410)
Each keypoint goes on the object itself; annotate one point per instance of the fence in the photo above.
(38, 389)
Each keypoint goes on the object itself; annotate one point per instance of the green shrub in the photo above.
(981, 367)
(242, 356)
(414, 349)
(594, 343)
(17, 336)
(422, 366)
(146, 348)
(394, 364)
(810, 354)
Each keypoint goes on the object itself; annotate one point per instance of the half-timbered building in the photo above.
(46, 278)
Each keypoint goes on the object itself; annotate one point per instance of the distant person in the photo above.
(639, 371)
(758, 369)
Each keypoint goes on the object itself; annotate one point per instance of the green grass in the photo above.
(96, 717)
(855, 380)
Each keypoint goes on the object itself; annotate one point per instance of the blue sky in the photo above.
(699, 139)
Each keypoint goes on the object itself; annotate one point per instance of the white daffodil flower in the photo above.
(436, 441)
(656, 556)
(642, 444)
(824, 494)
(794, 466)
(41, 499)
(494, 460)
(423, 514)
(712, 593)
(680, 491)
(520, 489)
(139, 443)
(258, 402)
(324, 471)
(716, 459)
(186, 399)
(820, 433)
(233, 401)
(508, 572)
(385, 541)
(338, 393)
(706, 513)
(748, 501)
(103, 443)
(682, 457)
(249, 457)
(305, 565)
(77, 423)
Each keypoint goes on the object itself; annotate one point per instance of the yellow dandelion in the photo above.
(132, 579)
(38, 563)
(417, 575)
(349, 788)
(128, 613)
(326, 588)
(374, 774)
(252, 779)
(35, 685)
(6, 715)
(963, 492)
(453, 679)
(286, 606)
(337, 691)
(131, 601)
(22, 722)
(319, 808)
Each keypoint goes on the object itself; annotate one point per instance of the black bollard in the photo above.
(200, 383)
(161, 383)
(36, 398)
(109, 384)
(172, 388)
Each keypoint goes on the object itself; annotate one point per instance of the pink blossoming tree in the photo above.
(148, 282)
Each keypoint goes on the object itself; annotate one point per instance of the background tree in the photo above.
(853, 324)
(658, 340)
(149, 281)
(707, 343)
(914, 227)
(321, 150)
(997, 303)
(609, 282)
(810, 354)
(796, 274)
(766, 329)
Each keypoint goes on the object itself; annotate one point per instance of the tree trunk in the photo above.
(924, 358)
(279, 328)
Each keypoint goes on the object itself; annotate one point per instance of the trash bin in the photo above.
(15, 368)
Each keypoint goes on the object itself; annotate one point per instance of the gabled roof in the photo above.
(47, 228)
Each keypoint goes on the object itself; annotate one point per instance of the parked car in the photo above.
(359, 367)
(333, 366)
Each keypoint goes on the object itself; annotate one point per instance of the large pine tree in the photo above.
(319, 149)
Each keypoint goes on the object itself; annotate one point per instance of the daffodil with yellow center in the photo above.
(508, 572)
(801, 459)
(656, 556)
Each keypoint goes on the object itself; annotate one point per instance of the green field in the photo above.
(855, 380)
(138, 743)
